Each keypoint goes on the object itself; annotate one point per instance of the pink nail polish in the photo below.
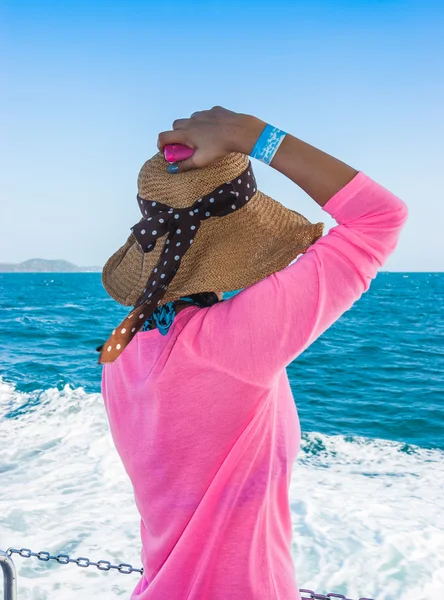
(175, 152)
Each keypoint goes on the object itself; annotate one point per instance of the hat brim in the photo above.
(228, 253)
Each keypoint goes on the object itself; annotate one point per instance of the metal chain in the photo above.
(125, 568)
(64, 559)
(315, 596)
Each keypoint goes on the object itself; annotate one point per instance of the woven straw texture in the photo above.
(228, 253)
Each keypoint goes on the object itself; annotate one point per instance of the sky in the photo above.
(89, 85)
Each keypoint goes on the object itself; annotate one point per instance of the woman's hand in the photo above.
(212, 134)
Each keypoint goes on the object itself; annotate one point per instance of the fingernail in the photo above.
(173, 169)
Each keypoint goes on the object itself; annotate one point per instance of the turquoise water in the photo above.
(377, 372)
(367, 488)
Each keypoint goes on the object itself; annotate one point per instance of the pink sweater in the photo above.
(205, 422)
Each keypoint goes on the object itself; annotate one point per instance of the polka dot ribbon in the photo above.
(180, 225)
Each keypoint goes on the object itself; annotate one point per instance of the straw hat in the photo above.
(228, 253)
(224, 234)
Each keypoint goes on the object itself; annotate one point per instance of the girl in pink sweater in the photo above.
(199, 403)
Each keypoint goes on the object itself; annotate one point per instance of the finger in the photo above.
(182, 166)
(180, 123)
(177, 136)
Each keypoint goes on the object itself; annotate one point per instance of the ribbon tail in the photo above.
(123, 334)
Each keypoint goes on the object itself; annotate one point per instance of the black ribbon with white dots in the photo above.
(180, 225)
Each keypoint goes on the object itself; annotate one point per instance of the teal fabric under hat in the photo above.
(164, 316)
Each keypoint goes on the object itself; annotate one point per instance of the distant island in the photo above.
(41, 265)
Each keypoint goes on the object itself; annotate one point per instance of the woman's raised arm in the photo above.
(257, 333)
(217, 132)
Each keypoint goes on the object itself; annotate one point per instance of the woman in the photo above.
(195, 388)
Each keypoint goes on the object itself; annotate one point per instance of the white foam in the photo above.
(367, 517)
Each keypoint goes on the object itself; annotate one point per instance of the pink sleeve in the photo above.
(258, 332)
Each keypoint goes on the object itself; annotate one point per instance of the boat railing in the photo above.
(10, 577)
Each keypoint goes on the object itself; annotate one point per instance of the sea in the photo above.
(367, 489)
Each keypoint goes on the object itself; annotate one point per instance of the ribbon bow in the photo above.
(180, 225)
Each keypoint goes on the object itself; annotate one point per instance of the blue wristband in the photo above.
(267, 144)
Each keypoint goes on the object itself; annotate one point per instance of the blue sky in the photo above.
(90, 84)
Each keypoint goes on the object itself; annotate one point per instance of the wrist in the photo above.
(248, 130)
